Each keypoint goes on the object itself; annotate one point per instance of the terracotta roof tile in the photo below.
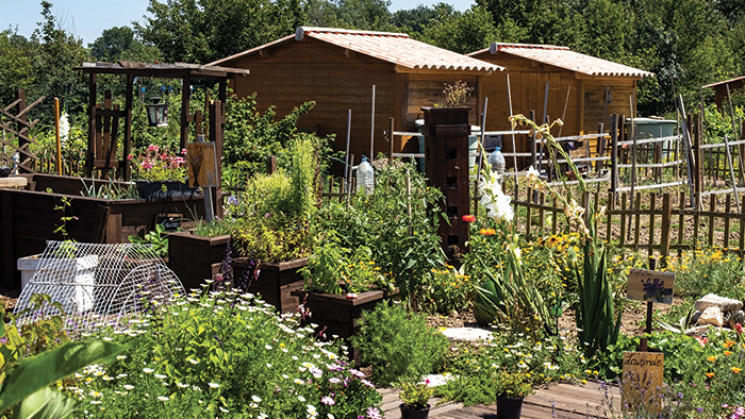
(395, 48)
(565, 58)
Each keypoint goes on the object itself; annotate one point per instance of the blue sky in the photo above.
(88, 18)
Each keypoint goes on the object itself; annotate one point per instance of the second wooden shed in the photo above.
(576, 82)
(337, 68)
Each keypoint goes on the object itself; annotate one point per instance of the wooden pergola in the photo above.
(97, 116)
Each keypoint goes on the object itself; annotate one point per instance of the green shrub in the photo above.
(399, 345)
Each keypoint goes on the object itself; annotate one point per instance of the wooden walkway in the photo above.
(553, 401)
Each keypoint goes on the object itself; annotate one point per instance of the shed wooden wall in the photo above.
(528, 83)
(297, 72)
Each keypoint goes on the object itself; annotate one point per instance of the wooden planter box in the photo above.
(278, 283)
(28, 218)
(195, 258)
(338, 315)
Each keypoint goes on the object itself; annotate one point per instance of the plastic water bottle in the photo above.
(496, 160)
(365, 177)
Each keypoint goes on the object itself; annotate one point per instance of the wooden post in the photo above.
(665, 230)
(185, 116)
(89, 155)
(124, 167)
(217, 135)
(271, 164)
(58, 140)
(689, 153)
(731, 171)
(614, 153)
(533, 148)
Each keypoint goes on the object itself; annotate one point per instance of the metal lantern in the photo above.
(157, 113)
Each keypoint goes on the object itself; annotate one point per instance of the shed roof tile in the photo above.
(395, 48)
(565, 58)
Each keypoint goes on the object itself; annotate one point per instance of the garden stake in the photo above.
(514, 148)
(734, 131)
(650, 306)
(372, 126)
(57, 136)
(346, 154)
(731, 170)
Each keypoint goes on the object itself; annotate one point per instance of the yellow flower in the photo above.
(712, 358)
(736, 370)
(728, 344)
(727, 353)
(709, 374)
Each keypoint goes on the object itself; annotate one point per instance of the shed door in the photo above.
(534, 94)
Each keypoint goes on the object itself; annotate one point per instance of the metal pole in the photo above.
(689, 152)
(372, 126)
(346, 155)
(509, 102)
(58, 141)
(633, 165)
(564, 112)
(731, 171)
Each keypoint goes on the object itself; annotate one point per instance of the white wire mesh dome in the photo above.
(97, 285)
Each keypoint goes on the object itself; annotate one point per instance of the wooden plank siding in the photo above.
(584, 108)
(289, 74)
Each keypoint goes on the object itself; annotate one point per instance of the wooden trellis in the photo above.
(15, 133)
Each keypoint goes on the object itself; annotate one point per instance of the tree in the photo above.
(16, 61)
(202, 31)
(463, 32)
(56, 55)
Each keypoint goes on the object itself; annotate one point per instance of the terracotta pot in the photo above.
(411, 413)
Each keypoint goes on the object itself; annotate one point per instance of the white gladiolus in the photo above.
(495, 201)
(64, 127)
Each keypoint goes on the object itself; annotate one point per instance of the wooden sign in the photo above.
(642, 380)
(202, 164)
(651, 286)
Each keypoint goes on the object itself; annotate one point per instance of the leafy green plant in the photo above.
(514, 384)
(337, 270)
(404, 244)
(157, 239)
(26, 383)
(398, 344)
(108, 190)
(446, 291)
(416, 395)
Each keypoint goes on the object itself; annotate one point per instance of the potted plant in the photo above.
(158, 174)
(196, 255)
(272, 228)
(340, 284)
(511, 389)
(415, 398)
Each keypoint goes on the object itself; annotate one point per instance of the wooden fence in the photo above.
(656, 223)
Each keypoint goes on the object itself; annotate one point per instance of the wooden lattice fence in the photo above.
(16, 140)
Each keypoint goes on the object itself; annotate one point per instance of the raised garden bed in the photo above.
(278, 283)
(29, 217)
(195, 258)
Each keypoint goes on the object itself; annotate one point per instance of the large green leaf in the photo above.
(45, 404)
(33, 374)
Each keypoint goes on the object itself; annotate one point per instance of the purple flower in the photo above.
(700, 409)
(367, 383)
(373, 413)
(328, 401)
(357, 373)
(232, 200)
(3, 340)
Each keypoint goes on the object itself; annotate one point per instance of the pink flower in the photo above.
(183, 151)
(738, 328)
(146, 165)
(153, 147)
(328, 401)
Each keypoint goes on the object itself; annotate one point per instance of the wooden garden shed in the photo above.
(720, 89)
(337, 69)
(576, 82)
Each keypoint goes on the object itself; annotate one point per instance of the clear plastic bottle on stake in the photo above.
(365, 177)
(496, 161)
